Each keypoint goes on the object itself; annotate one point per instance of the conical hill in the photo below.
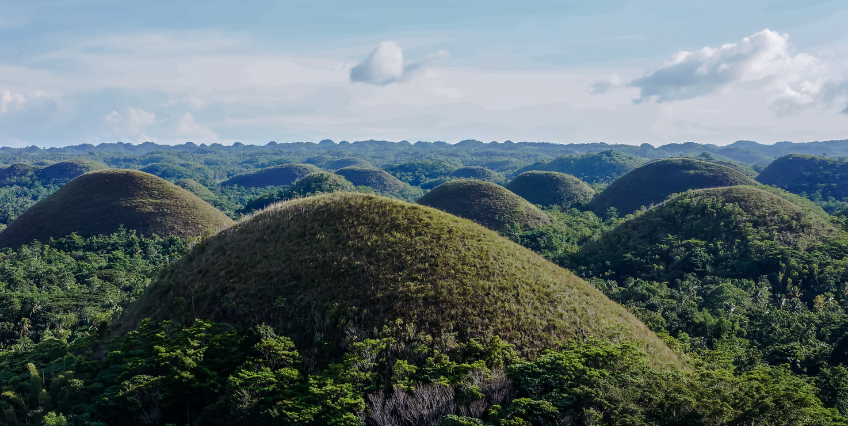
(486, 203)
(349, 162)
(735, 230)
(101, 202)
(652, 183)
(551, 188)
(376, 179)
(281, 175)
(342, 267)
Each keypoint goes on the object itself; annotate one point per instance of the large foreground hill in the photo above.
(344, 265)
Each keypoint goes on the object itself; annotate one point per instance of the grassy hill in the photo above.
(101, 202)
(340, 268)
(282, 175)
(810, 174)
(378, 180)
(486, 203)
(197, 188)
(599, 167)
(348, 162)
(55, 173)
(19, 173)
(66, 171)
(479, 173)
(551, 188)
(654, 182)
(726, 231)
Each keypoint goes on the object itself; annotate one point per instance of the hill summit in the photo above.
(281, 175)
(551, 188)
(810, 174)
(486, 203)
(715, 229)
(343, 267)
(101, 202)
(378, 180)
(654, 182)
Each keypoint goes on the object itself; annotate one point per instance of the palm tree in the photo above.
(26, 324)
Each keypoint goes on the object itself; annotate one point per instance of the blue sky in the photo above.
(560, 71)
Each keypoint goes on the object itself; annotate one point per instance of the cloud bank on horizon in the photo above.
(550, 74)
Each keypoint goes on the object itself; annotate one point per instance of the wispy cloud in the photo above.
(385, 65)
(10, 101)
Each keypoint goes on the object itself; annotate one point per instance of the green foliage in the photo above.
(486, 203)
(652, 183)
(425, 174)
(72, 287)
(823, 177)
(601, 167)
(476, 172)
(314, 184)
(551, 189)
(103, 201)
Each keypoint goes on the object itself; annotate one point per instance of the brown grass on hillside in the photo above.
(334, 268)
(101, 202)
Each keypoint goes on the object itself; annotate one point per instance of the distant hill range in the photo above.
(747, 152)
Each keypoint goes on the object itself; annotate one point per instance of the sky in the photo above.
(254, 71)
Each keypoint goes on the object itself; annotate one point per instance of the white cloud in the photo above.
(187, 127)
(10, 101)
(385, 65)
(763, 60)
(132, 120)
(609, 84)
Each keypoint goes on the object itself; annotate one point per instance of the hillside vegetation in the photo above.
(476, 172)
(726, 220)
(652, 183)
(104, 201)
(599, 167)
(551, 189)
(349, 162)
(378, 180)
(56, 173)
(282, 175)
(349, 265)
(812, 175)
(486, 203)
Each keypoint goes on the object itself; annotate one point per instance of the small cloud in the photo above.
(10, 101)
(187, 127)
(131, 121)
(609, 84)
(385, 65)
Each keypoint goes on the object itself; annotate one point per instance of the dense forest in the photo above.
(708, 285)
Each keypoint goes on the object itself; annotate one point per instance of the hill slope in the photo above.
(479, 173)
(378, 180)
(282, 175)
(800, 173)
(717, 230)
(654, 182)
(349, 162)
(66, 171)
(598, 167)
(486, 203)
(341, 267)
(100, 202)
(551, 188)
